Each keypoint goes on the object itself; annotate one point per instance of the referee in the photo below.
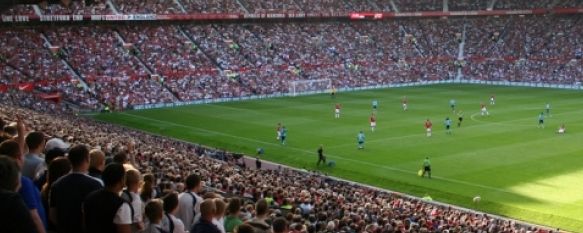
(321, 157)
(426, 167)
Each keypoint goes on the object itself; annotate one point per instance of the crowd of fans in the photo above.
(283, 6)
(81, 167)
(124, 66)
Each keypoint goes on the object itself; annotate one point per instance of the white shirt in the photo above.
(220, 223)
(178, 225)
(123, 216)
(137, 206)
(186, 210)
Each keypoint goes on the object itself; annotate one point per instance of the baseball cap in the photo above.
(56, 143)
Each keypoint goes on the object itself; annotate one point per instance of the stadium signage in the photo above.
(272, 15)
(15, 18)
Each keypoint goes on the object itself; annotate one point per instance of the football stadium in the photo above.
(291, 116)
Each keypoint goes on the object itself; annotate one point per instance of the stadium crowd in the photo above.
(79, 167)
(126, 66)
(258, 6)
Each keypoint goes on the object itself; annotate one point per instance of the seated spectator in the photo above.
(28, 191)
(14, 216)
(67, 194)
(259, 222)
(154, 212)
(130, 194)
(34, 163)
(97, 163)
(205, 224)
(189, 201)
(232, 219)
(170, 223)
(104, 210)
(59, 167)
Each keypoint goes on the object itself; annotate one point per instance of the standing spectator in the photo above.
(232, 220)
(14, 217)
(259, 223)
(27, 190)
(280, 225)
(147, 190)
(154, 212)
(68, 193)
(205, 224)
(104, 210)
(170, 223)
(97, 163)
(244, 228)
(58, 168)
(219, 219)
(54, 143)
(49, 157)
(130, 194)
(34, 162)
(189, 201)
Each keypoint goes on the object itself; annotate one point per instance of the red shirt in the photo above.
(428, 124)
(337, 106)
(373, 119)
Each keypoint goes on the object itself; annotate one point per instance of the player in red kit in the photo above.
(483, 110)
(373, 122)
(337, 111)
(404, 102)
(278, 130)
(428, 126)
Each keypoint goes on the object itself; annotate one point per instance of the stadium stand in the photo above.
(123, 66)
(308, 200)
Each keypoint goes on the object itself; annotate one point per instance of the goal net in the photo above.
(309, 86)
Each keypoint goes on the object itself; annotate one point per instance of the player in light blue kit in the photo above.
(360, 139)
(452, 105)
(447, 123)
(283, 135)
(541, 120)
(375, 105)
(548, 109)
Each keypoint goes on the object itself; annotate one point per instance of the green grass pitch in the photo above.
(519, 170)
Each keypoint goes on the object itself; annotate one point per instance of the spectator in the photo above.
(14, 217)
(189, 201)
(205, 224)
(55, 143)
(130, 194)
(67, 194)
(232, 220)
(97, 163)
(219, 219)
(34, 163)
(170, 223)
(28, 191)
(280, 225)
(147, 190)
(259, 222)
(244, 228)
(154, 212)
(104, 210)
(49, 157)
(57, 168)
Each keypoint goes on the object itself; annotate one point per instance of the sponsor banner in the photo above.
(276, 15)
